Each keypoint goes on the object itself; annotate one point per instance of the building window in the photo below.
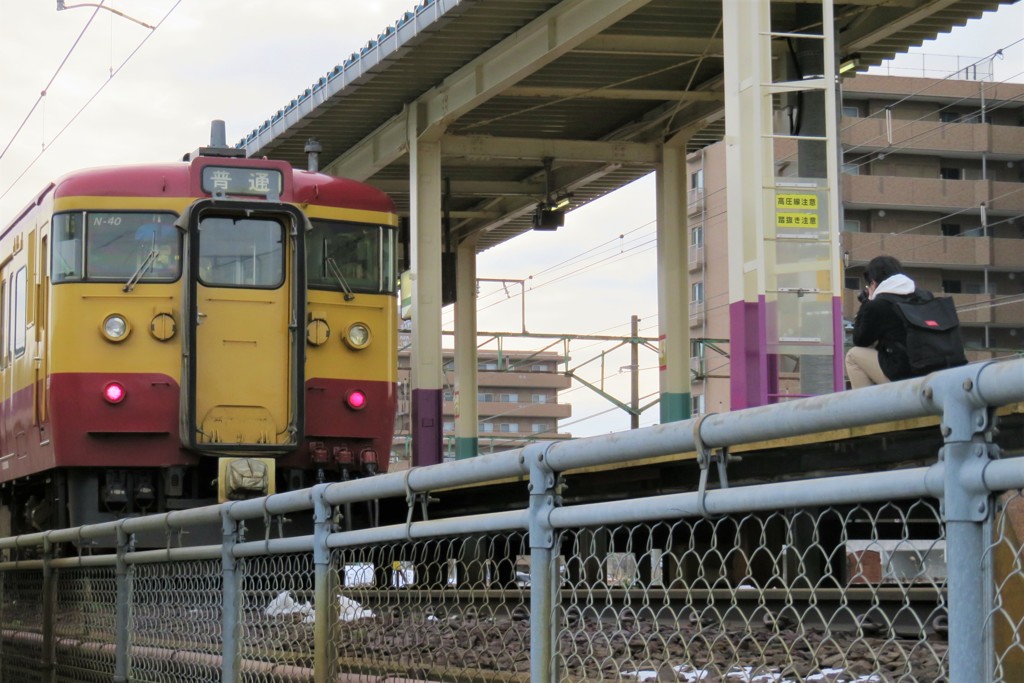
(851, 225)
(950, 229)
(697, 236)
(540, 367)
(851, 169)
(449, 395)
(851, 110)
(697, 404)
(449, 426)
(697, 292)
(979, 288)
(488, 365)
(697, 180)
(952, 286)
(508, 398)
(950, 173)
(946, 116)
(508, 427)
(540, 398)
(20, 301)
(538, 428)
(484, 397)
(486, 427)
(852, 282)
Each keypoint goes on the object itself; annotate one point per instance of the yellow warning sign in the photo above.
(797, 220)
(796, 201)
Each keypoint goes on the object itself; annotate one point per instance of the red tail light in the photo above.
(114, 392)
(356, 400)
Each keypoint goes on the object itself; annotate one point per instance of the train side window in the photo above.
(67, 247)
(20, 301)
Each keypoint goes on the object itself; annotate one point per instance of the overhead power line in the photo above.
(53, 78)
(78, 113)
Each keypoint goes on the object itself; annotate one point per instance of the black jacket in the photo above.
(878, 323)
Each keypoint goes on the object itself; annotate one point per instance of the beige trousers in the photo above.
(862, 367)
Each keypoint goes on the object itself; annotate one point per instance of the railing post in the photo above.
(231, 607)
(967, 428)
(323, 599)
(121, 613)
(49, 599)
(543, 575)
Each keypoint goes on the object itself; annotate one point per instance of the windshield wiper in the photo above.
(141, 270)
(332, 268)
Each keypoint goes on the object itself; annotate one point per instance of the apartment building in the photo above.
(517, 400)
(933, 174)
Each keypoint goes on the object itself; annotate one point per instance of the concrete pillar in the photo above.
(749, 169)
(673, 285)
(425, 241)
(467, 441)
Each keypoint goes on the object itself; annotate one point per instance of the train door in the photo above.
(42, 301)
(244, 303)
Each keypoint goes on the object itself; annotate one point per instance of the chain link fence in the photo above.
(903, 576)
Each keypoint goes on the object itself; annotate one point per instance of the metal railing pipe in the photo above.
(122, 580)
(917, 482)
(1004, 475)
(83, 561)
(274, 546)
(494, 522)
(478, 470)
(231, 606)
(202, 552)
(999, 383)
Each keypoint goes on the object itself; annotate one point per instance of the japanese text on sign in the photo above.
(796, 201)
(796, 220)
(241, 181)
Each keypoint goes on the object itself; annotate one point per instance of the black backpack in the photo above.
(933, 331)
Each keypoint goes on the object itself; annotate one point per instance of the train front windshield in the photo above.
(354, 256)
(109, 246)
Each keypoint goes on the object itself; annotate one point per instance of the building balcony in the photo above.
(932, 137)
(915, 250)
(696, 312)
(516, 380)
(523, 411)
(1005, 310)
(695, 200)
(931, 194)
(696, 257)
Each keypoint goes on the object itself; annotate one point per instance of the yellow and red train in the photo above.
(175, 334)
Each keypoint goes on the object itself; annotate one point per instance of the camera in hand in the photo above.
(863, 296)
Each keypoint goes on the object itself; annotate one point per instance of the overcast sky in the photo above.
(242, 61)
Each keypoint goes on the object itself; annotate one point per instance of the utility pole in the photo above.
(634, 369)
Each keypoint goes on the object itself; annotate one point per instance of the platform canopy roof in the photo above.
(534, 100)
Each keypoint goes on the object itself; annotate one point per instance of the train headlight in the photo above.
(115, 328)
(358, 336)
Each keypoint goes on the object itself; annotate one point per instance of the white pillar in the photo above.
(425, 242)
(466, 409)
(673, 284)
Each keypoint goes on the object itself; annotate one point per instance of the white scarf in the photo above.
(894, 284)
